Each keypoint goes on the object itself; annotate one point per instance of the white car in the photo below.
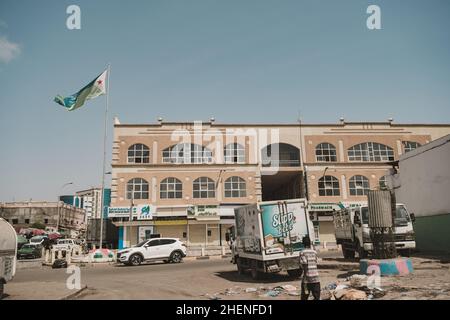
(165, 249)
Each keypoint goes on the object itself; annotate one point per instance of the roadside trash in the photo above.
(272, 293)
(331, 286)
(232, 291)
(248, 290)
(340, 287)
(378, 292)
(326, 295)
(289, 287)
(358, 280)
(352, 294)
(340, 293)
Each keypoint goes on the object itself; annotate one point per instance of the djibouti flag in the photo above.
(94, 89)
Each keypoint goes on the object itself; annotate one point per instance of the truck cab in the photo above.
(353, 232)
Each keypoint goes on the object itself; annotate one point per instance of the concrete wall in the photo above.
(432, 234)
(423, 180)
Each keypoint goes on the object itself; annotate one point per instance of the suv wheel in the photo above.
(135, 260)
(176, 257)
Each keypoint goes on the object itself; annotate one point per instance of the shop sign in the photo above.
(325, 206)
(203, 211)
(141, 212)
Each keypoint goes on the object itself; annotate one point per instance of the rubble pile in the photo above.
(353, 288)
(262, 292)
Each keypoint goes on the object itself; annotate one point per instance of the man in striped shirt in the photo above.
(310, 280)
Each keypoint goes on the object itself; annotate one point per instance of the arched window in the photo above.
(326, 152)
(204, 187)
(170, 188)
(235, 187)
(370, 151)
(358, 185)
(187, 153)
(410, 146)
(137, 188)
(138, 153)
(280, 155)
(329, 186)
(382, 182)
(234, 153)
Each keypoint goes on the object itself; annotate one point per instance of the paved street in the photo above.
(188, 280)
(202, 279)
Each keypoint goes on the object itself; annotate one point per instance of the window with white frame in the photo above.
(370, 152)
(170, 188)
(410, 146)
(138, 153)
(187, 153)
(329, 186)
(235, 187)
(358, 185)
(326, 152)
(204, 187)
(137, 188)
(234, 153)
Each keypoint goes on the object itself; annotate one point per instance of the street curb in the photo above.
(73, 295)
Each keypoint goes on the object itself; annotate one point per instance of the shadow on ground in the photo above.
(234, 276)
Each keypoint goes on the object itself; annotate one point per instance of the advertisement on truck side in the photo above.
(284, 226)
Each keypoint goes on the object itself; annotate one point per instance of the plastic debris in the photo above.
(272, 293)
(358, 280)
(248, 290)
(331, 286)
(340, 287)
(289, 287)
(352, 294)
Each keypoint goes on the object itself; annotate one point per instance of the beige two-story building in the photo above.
(184, 179)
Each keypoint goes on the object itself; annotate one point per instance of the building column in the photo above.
(399, 148)
(187, 234)
(344, 187)
(341, 151)
(206, 234)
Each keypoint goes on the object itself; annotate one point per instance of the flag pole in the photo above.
(102, 196)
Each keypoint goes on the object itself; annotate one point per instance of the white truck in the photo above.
(353, 233)
(268, 236)
(8, 253)
(70, 245)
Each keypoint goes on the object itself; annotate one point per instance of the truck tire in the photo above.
(295, 273)
(361, 252)
(405, 252)
(348, 253)
(240, 268)
(255, 273)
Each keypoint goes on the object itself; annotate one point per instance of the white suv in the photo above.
(165, 249)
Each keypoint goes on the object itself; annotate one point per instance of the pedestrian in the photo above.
(308, 262)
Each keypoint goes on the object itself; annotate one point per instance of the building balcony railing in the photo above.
(280, 163)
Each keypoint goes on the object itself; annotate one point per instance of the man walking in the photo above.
(310, 280)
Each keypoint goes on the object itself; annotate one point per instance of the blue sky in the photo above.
(240, 61)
